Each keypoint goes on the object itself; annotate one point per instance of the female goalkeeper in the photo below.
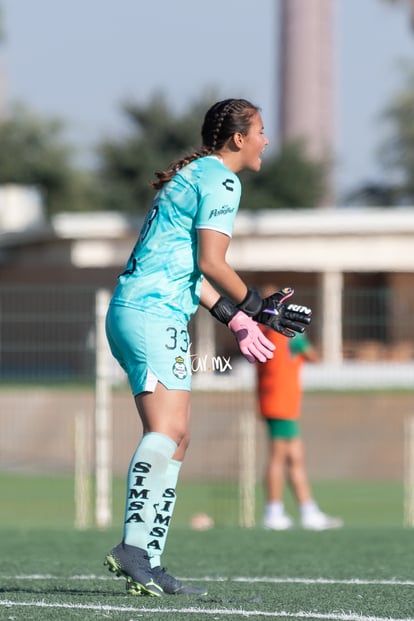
(179, 262)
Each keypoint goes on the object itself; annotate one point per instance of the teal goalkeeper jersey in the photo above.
(162, 274)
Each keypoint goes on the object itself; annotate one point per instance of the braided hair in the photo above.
(221, 122)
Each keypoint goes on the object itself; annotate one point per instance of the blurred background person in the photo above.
(279, 389)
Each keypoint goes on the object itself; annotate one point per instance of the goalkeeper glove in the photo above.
(284, 318)
(253, 344)
(272, 312)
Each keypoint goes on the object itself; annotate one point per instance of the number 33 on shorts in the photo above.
(178, 341)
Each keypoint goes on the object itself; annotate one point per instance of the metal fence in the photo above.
(47, 333)
(49, 382)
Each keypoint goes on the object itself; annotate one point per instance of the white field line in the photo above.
(278, 614)
(350, 581)
(265, 580)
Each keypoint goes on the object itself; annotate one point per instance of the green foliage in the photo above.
(286, 180)
(157, 137)
(396, 155)
(33, 152)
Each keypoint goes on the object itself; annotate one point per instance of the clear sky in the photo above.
(80, 59)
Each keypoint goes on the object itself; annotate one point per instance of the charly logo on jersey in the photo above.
(222, 211)
(179, 369)
(229, 184)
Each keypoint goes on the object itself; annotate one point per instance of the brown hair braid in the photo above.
(221, 122)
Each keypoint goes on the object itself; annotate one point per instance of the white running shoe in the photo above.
(316, 520)
(278, 522)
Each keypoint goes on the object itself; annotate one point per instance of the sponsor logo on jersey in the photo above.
(214, 213)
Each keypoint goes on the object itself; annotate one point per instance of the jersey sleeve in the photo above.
(218, 201)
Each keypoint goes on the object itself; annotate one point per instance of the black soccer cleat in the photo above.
(133, 563)
(173, 586)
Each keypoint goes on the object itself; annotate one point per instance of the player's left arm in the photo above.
(301, 346)
(253, 344)
(274, 311)
(212, 250)
(310, 354)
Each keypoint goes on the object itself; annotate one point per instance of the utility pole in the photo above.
(306, 80)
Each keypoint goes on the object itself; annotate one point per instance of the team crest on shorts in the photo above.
(179, 369)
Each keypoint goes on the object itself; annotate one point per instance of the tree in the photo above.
(288, 179)
(396, 154)
(157, 137)
(33, 152)
(411, 5)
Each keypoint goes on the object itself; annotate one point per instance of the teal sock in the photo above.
(163, 514)
(145, 484)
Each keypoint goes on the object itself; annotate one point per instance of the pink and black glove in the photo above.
(275, 313)
(253, 344)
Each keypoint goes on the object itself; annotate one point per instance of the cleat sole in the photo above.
(133, 587)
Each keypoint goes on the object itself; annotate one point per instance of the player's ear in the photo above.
(238, 139)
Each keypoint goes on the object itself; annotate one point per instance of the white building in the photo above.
(321, 253)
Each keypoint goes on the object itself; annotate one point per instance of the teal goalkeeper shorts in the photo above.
(150, 349)
(283, 428)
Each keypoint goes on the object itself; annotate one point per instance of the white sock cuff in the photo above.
(310, 506)
(160, 442)
(275, 507)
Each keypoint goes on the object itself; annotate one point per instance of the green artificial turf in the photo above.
(46, 501)
(351, 574)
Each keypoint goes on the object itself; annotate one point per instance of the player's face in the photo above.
(254, 144)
